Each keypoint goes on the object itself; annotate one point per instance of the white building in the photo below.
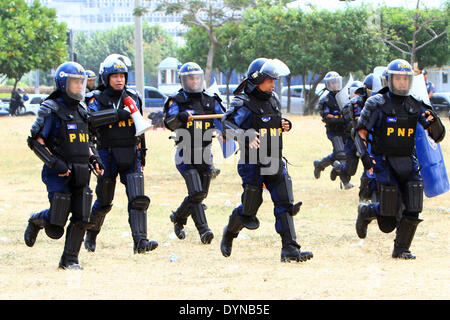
(99, 15)
(440, 78)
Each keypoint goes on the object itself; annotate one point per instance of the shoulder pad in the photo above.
(212, 95)
(377, 99)
(275, 95)
(51, 104)
(131, 91)
(242, 96)
(237, 102)
(179, 97)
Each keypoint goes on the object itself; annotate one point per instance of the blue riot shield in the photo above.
(431, 160)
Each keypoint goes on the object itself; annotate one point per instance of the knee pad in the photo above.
(135, 190)
(251, 201)
(338, 148)
(388, 196)
(105, 190)
(82, 204)
(285, 195)
(351, 166)
(194, 185)
(60, 206)
(414, 196)
(386, 224)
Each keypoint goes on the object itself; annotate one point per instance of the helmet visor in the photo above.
(400, 83)
(334, 84)
(193, 82)
(76, 86)
(274, 68)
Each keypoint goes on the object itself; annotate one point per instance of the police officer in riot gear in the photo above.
(60, 138)
(193, 138)
(91, 77)
(350, 111)
(255, 119)
(121, 151)
(334, 123)
(391, 116)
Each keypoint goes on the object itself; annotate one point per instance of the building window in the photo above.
(445, 77)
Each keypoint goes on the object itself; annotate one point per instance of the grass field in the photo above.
(343, 267)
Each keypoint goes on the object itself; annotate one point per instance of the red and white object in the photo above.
(139, 121)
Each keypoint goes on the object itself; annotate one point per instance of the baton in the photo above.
(204, 116)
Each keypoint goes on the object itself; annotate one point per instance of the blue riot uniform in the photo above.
(260, 112)
(123, 154)
(193, 157)
(62, 124)
(336, 130)
(392, 120)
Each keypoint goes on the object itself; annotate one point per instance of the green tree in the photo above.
(208, 16)
(92, 50)
(229, 54)
(418, 35)
(313, 42)
(31, 38)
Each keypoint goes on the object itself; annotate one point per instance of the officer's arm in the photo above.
(104, 117)
(430, 120)
(39, 131)
(173, 118)
(234, 118)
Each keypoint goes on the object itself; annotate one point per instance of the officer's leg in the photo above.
(230, 232)
(53, 219)
(81, 209)
(320, 165)
(284, 209)
(406, 228)
(198, 186)
(105, 194)
(138, 204)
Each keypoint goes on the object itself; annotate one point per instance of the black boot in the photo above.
(336, 171)
(290, 250)
(90, 241)
(199, 217)
(35, 224)
(179, 218)
(138, 224)
(366, 213)
(74, 238)
(320, 165)
(406, 229)
(230, 232)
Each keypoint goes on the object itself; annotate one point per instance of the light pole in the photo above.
(139, 50)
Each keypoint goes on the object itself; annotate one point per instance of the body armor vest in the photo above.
(120, 134)
(266, 116)
(204, 104)
(396, 134)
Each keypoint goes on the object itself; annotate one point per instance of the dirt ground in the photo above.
(344, 266)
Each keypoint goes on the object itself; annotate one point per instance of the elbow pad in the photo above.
(103, 117)
(42, 153)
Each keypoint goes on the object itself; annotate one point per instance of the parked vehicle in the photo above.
(298, 97)
(441, 101)
(154, 98)
(32, 104)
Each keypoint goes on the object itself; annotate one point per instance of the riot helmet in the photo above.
(261, 69)
(71, 79)
(192, 77)
(333, 81)
(368, 82)
(356, 87)
(400, 76)
(91, 76)
(114, 63)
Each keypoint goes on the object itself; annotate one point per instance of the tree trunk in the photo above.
(288, 80)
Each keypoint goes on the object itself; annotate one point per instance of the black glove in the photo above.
(367, 161)
(94, 159)
(123, 114)
(60, 166)
(183, 116)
